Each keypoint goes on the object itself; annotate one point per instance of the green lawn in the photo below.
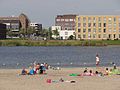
(20, 42)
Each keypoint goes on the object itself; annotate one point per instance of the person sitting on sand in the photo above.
(85, 71)
(31, 72)
(106, 72)
(99, 73)
(24, 72)
(90, 73)
(38, 68)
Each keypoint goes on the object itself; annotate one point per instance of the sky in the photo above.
(45, 11)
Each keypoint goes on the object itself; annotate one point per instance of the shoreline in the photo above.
(59, 42)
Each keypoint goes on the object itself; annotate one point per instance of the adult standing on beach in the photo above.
(97, 60)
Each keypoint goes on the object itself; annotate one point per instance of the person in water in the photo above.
(97, 60)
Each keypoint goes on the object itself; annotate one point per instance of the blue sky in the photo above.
(44, 11)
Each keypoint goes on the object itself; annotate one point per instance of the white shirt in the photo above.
(97, 59)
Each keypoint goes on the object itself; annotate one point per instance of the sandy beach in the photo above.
(11, 80)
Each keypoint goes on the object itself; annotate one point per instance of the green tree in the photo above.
(22, 33)
(9, 33)
(71, 37)
(30, 31)
(49, 33)
(56, 33)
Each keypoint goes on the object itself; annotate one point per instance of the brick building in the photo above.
(67, 23)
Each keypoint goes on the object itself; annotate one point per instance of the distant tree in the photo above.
(9, 33)
(22, 33)
(30, 31)
(71, 37)
(49, 33)
(56, 33)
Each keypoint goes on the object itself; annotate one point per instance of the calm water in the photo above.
(65, 56)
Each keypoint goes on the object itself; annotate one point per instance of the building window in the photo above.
(104, 35)
(114, 30)
(79, 30)
(94, 36)
(99, 35)
(58, 20)
(114, 19)
(99, 19)
(84, 19)
(110, 29)
(94, 30)
(89, 19)
(99, 30)
(94, 19)
(94, 24)
(79, 24)
(104, 24)
(119, 24)
(89, 36)
(71, 19)
(119, 19)
(84, 30)
(84, 24)
(84, 36)
(79, 36)
(109, 25)
(114, 36)
(110, 20)
(104, 19)
(62, 19)
(109, 36)
(89, 24)
(89, 30)
(66, 20)
(78, 19)
(66, 33)
(99, 25)
(114, 24)
(104, 30)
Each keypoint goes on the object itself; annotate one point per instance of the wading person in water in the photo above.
(97, 60)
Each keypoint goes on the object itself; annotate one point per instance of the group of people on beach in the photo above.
(107, 71)
(36, 68)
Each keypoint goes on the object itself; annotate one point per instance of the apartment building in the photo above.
(100, 27)
(67, 23)
(14, 24)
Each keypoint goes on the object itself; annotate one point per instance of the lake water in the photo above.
(64, 56)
